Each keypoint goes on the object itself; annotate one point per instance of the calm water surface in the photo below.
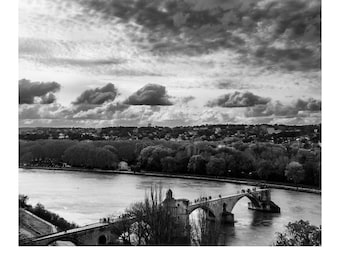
(85, 197)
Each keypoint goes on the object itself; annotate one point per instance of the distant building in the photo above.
(123, 166)
(271, 130)
(62, 136)
(218, 130)
(203, 128)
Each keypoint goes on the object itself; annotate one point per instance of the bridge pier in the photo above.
(227, 218)
(267, 206)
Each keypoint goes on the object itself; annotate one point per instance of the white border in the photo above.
(14, 257)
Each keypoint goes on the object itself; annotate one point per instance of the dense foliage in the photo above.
(299, 233)
(89, 156)
(40, 211)
(294, 162)
(153, 223)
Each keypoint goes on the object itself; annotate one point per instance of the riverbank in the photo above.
(31, 226)
(241, 181)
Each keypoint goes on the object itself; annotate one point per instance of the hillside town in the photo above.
(310, 134)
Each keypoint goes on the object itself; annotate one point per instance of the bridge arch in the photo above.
(102, 239)
(251, 197)
(205, 208)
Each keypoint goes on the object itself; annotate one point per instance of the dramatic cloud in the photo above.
(150, 94)
(238, 99)
(267, 50)
(308, 105)
(97, 96)
(105, 112)
(56, 111)
(40, 111)
(286, 33)
(298, 108)
(37, 92)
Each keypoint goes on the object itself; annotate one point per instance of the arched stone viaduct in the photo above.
(218, 209)
(221, 208)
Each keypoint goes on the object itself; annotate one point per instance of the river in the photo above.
(84, 198)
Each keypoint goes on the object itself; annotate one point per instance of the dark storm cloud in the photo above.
(280, 110)
(150, 94)
(37, 92)
(283, 33)
(97, 96)
(238, 99)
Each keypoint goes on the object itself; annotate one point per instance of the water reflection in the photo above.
(263, 218)
(205, 231)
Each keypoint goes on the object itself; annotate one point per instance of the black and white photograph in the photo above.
(169, 123)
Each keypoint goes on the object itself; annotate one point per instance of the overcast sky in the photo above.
(169, 62)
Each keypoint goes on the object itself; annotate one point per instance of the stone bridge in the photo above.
(218, 210)
(101, 233)
(221, 208)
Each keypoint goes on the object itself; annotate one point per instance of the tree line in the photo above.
(266, 161)
(40, 211)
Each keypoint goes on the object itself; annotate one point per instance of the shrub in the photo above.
(299, 233)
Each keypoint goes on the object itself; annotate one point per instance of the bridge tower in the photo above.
(178, 209)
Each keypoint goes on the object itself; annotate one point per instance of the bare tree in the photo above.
(204, 231)
(154, 224)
